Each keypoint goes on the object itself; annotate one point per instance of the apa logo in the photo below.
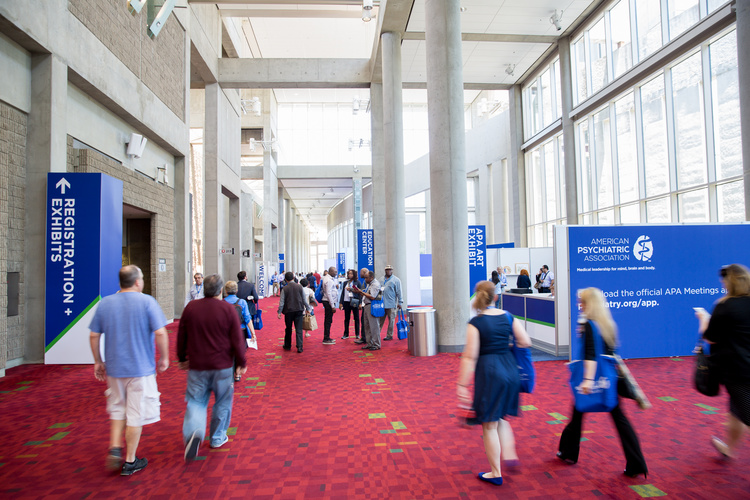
(643, 249)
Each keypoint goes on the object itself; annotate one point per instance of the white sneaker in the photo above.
(222, 443)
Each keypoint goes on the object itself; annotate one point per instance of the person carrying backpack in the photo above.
(246, 322)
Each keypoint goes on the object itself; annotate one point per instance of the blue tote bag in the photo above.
(525, 365)
(603, 396)
(377, 308)
(258, 320)
(402, 326)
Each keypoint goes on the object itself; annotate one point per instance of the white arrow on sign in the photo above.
(62, 184)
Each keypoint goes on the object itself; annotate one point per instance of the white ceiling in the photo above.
(333, 29)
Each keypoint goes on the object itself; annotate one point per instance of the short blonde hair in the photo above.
(230, 288)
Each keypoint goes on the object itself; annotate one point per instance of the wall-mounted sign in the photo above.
(84, 256)
(162, 265)
(229, 251)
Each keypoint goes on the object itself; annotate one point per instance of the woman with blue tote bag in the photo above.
(598, 337)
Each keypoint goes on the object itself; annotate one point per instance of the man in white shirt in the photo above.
(330, 303)
(196, 290)
(548, 280)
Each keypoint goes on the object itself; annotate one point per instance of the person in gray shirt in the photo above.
(370, 293)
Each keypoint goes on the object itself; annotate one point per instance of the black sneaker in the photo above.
(114, 459)
(192, 445)
(388, 338)
(130, 468)
(345, 337)
(329, 342)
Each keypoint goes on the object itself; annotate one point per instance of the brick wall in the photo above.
(159, 63)
(141, 192)
(13, 125)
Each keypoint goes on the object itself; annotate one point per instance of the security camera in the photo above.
(556, 19)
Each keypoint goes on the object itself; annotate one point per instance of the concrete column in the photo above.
(46, 151)
(212, 186)
(445, 104)
(247, 239)
(270, 206)
(566, 88)
(517, 168)
(288, 233)
(428, 221)
(295, 239)
(232, 263)
(393, 146)
(743, 70)
(378, 176)
(182, 243)
(281, 231)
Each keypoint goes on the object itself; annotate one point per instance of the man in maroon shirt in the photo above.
(211, 346)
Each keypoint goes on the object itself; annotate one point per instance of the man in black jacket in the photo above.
(292, 304)
(246, 290)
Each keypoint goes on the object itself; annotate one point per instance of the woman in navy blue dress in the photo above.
(488, 357)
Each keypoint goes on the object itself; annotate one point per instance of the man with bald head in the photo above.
(130, 321)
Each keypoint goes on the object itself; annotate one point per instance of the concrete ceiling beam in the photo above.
(294, 73)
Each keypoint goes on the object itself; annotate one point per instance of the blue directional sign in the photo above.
(365, 249)
(83, 258)
(341, 263)
(477, 256)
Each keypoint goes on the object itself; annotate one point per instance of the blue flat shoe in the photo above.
(497, 481)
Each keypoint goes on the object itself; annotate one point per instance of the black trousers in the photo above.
(348, 310)
(570, 441)
(328, 320)
(293, 318)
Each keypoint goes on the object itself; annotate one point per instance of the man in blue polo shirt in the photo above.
(130, 321)
(392, 299)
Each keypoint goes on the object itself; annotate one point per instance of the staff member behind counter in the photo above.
(548, 280)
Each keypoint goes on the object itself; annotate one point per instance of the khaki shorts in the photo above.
(135, 400)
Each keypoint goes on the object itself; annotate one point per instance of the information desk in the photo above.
(537, 311)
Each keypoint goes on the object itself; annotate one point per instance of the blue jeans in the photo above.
(200, 385)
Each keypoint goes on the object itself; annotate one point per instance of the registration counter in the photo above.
(537, 311)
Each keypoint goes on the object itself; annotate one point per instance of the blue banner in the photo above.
(83, 258)
(365, 249)
(477, 256)
(652, 277)
(341, 263)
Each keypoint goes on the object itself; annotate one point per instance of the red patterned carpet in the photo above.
(339, 422)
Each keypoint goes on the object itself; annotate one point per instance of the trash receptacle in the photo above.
(422, 335)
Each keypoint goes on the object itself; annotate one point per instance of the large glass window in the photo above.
(598, 47)
(690, 146)
(627, 161)
(603, 160)
(541, 102)
(586, 179)
(622, 50)
(682, 15)
(725, 100)
(653, 165)
(545, 188)
(578, 61)
(319, 134)
(656, 157)
(648, 26)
